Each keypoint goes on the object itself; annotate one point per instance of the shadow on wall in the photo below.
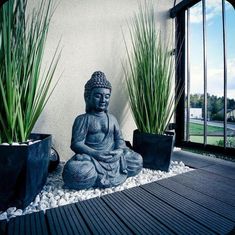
(119, 106)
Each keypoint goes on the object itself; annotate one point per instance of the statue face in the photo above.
(99, 99)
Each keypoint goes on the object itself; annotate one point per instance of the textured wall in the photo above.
(91, 38)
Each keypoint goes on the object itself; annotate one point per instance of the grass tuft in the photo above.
(24, 90)
(149, 73)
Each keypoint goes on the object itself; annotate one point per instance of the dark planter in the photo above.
(156, 150)
(23, 171)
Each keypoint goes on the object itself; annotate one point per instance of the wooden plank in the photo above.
(206, 186)
(192, 159)
(226, 185)
(78, 220)
(40, 216)
(15, 226)
(33, 221)
(54, 223)
(66, 220)
(222, 180)
(208, 202)
(101, 218)
(135, 217)
(29, 224)
(63, 223)
(71, 220)
(165, 213)
(226, 171)
(91, 219)
(22, 224)
(194, 211)
(3, 227)
(51, 223)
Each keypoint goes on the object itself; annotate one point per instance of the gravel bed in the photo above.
(53, 194)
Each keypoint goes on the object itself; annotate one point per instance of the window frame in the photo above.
(178, 13)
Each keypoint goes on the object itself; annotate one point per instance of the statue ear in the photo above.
(86, 98)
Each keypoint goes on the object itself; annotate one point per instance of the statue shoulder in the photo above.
(81, 117)
(113, 119)
(81, 121)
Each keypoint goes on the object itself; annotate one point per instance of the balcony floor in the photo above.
(197, 202)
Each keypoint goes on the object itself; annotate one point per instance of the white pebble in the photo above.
(60, 192)
(42, 206)
(72, 199)
(57, 197)
(54, 195)
(37, 199)
(18, 212)
(62, 202)
(66, 196)
(50, 195)
(54, 204)
(11, 210)
(44, 198)
(15, 144)
(3, 216)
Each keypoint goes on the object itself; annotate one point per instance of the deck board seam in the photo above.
(203, 192)
(202, 205)
(195, 226)
(109, 203)
(197, 214)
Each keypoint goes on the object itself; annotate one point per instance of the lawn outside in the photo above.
(214, 137)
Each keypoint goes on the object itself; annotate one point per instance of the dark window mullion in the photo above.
(188, 74)
(225, 71)
(204, 67)
(180, 75)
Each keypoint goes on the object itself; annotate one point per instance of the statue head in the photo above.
(97, 92)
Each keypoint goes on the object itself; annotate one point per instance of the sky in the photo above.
(214, 48)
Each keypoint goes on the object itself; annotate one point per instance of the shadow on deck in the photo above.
(197, 202)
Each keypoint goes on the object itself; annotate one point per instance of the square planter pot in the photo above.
(156, 150)
(23, 171)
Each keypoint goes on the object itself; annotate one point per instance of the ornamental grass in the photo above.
(24, 89)
(149, 74)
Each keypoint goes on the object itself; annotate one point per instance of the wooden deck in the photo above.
(198, 202)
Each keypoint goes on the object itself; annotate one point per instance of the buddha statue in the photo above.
(101, 158)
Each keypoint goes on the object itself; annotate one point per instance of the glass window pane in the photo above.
(194, 123)
(215, 73)
(196, 128)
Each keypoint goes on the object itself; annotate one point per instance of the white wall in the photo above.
(91, 38)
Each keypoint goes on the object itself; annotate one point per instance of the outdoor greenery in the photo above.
(198, 129)
(24, 89)
(214, 140)
(214, 137)
(148, 72)
(215, 105)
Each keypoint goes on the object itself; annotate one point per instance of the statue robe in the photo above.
(109, 173)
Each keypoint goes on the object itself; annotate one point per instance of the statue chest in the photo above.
(98, 125)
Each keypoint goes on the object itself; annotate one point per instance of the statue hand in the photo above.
(116, 152)
(108, 156)
(100, 155)
(115, 155)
